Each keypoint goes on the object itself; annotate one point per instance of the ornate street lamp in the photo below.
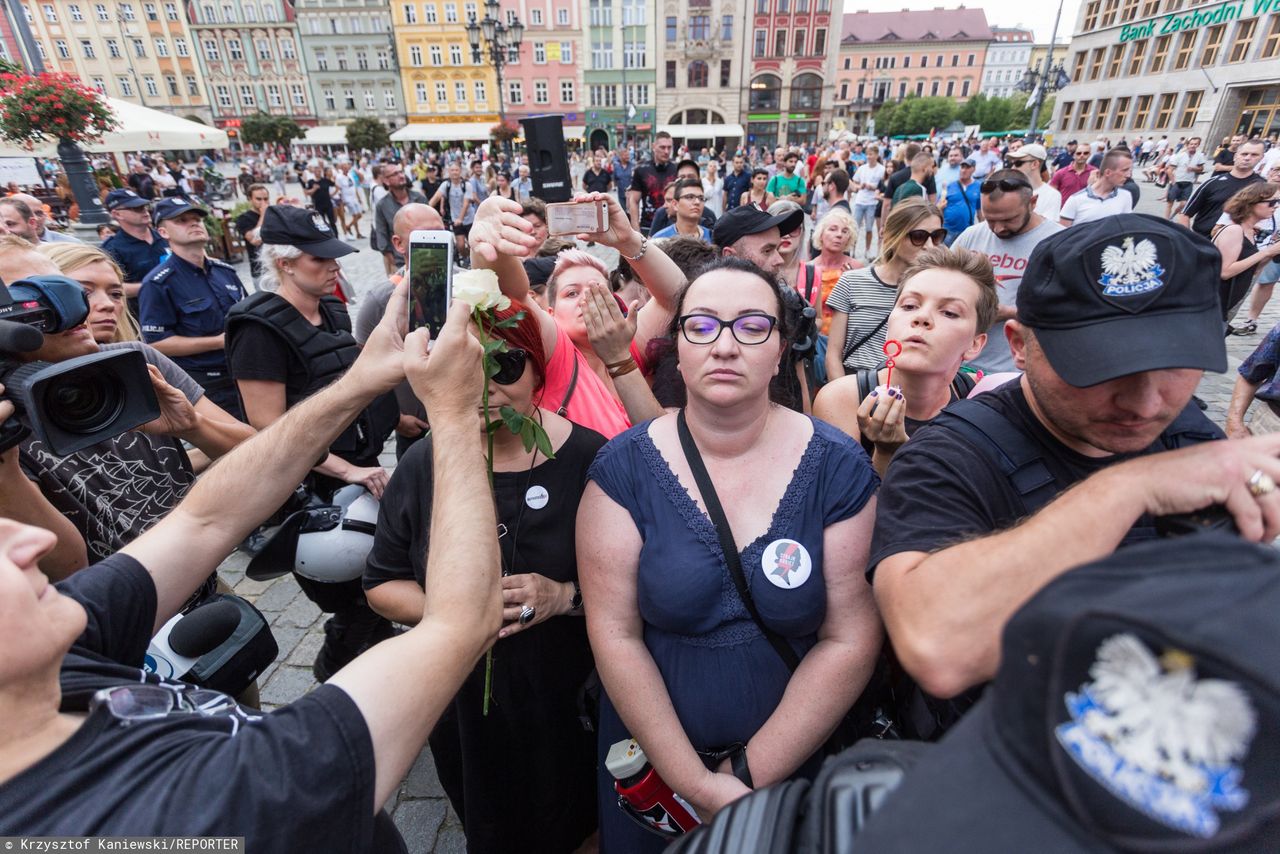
(501, 45)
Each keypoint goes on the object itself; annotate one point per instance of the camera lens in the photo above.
(84, 402)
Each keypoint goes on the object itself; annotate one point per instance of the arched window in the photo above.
(806, 92)
(766, 93)
(698, 74)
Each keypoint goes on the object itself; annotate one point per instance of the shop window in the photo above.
(1142, 113)
(1082, 119)
(1213, 46)
(1186, 42)
(1244, 38)
(1164, 112)
(1136, 58)
(1117, 61)
(806, 92)
(1190, 108)
(1091, 15)
(1271, 47)
(766, 94)
(1161, 54)
(1122, 113)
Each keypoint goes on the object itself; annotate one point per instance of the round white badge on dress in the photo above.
(786, 564)
(536, 497)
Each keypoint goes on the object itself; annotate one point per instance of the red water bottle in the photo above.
(644, 796)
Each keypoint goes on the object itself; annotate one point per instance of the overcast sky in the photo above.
(1000, 13)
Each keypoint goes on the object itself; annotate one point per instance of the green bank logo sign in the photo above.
(1198, 18)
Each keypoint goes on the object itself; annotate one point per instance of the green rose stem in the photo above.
(531, 433)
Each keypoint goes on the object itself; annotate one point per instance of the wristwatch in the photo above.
(576, 602)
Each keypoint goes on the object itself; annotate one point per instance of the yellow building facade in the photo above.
(442, 86)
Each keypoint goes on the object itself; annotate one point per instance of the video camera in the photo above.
(72, 404)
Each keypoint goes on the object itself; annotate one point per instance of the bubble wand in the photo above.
(889, 363)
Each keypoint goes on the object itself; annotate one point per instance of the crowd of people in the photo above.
(813, 426)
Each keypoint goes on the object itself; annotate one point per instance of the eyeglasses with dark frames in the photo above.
(747, 329)
(918, 236)
(692, 199)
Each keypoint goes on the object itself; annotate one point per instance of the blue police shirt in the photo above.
(179, 298)
(136, 257)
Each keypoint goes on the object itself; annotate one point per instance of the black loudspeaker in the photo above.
(548, 158)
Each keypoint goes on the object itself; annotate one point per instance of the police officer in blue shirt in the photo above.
(185, 300)
(137, 247)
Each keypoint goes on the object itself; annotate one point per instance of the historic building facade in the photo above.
(1171, 67)
(350, 57)
(618, 72)
(886, 56)
(252, 59)
(143, 52)
(442, 84)
(789, 88)
(1008, 58)
(547, 76)
(700, 71)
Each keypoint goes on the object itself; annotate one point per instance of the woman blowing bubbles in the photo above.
(685, 666)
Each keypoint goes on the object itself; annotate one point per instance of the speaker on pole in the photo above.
(548, 158)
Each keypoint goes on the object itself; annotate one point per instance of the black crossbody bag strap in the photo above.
(727, 544)
(568, 394)
(864, 339)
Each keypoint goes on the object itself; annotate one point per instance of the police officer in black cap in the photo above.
(184, 302)
(138, 248)
(287, 342)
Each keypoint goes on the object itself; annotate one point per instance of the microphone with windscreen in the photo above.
(183, 640)
(223, 644)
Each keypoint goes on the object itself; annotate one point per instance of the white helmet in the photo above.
(329, 543)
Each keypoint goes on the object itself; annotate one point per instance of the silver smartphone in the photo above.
(429, 268)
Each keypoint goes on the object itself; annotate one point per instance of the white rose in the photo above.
(479, 289)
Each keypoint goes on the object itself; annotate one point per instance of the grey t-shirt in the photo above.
(1008, 260)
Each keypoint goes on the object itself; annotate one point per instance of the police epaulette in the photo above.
(219, 263)
(161, 272)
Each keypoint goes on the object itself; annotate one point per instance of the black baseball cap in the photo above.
(123, 199)
(1136, 708)
(748, 219)
(287, 225)
(1121, 295)
(174, 206)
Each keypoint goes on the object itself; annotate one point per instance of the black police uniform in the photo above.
(179, 298)
(268, 339)
(136, 257)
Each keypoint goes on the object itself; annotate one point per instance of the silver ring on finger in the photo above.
(1260, 483)
(527, 612)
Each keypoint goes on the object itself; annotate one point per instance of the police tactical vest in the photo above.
(324, 356)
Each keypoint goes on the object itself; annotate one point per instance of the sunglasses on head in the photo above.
(1005, 185)
(510, 365)
(918, 236)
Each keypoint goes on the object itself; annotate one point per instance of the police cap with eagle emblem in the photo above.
(1136, 708)
(1122, 295)
(307, 230)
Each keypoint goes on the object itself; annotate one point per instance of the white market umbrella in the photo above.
(140, 129)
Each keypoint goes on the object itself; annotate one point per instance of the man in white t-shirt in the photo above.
(1029, 160)
(866, 181)
(1105, 195)
(1188, 165)
(1010, 230)
(985, 160)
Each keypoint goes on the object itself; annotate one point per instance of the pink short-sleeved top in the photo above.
(592, 404)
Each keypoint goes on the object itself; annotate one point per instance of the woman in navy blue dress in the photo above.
(684, 666)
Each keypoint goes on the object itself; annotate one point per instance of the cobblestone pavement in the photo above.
(420, 808)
